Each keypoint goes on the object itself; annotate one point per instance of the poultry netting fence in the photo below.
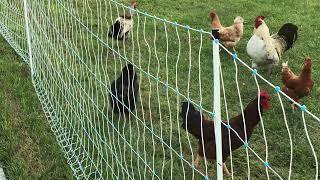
(74, 64)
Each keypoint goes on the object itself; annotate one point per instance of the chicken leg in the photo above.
(270, 70)
(197, 165)
(293, 107)
(197, 161)
(234, 50)
(225, 169)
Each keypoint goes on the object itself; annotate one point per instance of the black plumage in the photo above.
(115, 30)
(289, 32)
(124, 91)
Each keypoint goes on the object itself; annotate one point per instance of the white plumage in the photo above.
(126, 24)
(266, 50)
(262, 52)
(121, 28)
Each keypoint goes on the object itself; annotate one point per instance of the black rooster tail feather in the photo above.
(185, 108)
(289, 32)
(187, 113)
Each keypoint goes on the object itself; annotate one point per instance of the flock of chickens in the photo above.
(265, 50)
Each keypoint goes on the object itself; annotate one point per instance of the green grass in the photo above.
(68, 53)
(28, 149)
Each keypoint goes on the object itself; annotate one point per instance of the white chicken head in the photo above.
(260, 27)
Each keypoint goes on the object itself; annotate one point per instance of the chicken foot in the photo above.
(197, 165)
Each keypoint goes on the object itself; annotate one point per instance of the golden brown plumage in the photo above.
(295, 86)
(229, 36)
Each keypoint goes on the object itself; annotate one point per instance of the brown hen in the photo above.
(229, 36)
(295, 86)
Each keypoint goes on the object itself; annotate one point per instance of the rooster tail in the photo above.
(186, 108)
(190, 119)
(289, 32)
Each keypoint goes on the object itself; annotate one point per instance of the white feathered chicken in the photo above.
(266, 50)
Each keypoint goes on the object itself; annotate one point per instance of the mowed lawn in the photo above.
(196, 15)
(28, 149)
(156, 100)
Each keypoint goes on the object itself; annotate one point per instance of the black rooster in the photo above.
(124, 91)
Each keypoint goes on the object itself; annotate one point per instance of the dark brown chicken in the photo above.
(295, 86)
(192, 123)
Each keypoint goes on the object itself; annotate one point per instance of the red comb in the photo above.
(133, 4)
(307, 61)
(265, 94)
(213, 14)
(260, 17)
(265, 101)
(257, 21)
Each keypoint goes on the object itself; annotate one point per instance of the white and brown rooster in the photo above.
(266, 50)
(123, 25)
